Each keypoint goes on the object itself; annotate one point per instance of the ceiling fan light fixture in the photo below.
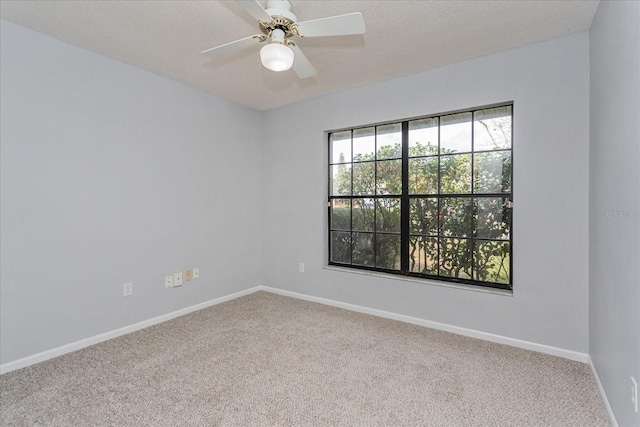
(276, 57)
(279, 24)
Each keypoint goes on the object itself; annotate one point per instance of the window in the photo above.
(429, 197)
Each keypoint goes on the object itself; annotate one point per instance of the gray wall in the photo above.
(614, 226)
(549, 83)
(111, 174)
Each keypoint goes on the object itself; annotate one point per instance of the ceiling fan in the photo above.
(279, 24)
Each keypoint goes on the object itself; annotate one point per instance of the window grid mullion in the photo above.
(351, 210)
(438, 206)
(405, 211)
(473, 200)
(375, 196)
(404, 203)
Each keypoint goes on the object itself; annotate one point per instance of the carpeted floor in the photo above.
(265, 359)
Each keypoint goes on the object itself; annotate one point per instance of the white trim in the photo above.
(612, 417)
(442, 283)
(527, 345)
(77, 345)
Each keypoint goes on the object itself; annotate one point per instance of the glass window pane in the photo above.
(423, 216)
(423, 255)
(389, 177)
(455, 133)
(388, 215)
(364, 144)
(423, 175)
(492, 172)
(388, 251)
(341, 247)
(492, 262)
(458, 196)
(455, 258)
(389, 141)
(364, 175)
(455, 174)
(363, 215)
(340, 145)
(341, 214)
(493, 218)
(423, 137)
(362, 249)
(492, 129)
(456, 216)
(340, 180)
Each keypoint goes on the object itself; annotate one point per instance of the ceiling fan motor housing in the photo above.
(282, 18)
(280, 25)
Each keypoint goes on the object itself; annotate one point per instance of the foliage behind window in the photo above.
(430, 197)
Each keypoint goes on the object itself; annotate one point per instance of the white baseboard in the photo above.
(77, 345)
(541, 348)
(554, 351)
(612, 417)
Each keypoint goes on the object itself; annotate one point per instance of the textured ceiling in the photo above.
(402, 37)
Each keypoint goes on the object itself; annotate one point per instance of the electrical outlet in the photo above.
(177, 278)
(128, 289)
(196, 273)
(301, 267)
(634, 394)
(168, 281)
(187, 275)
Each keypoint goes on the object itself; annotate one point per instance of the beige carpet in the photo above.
(265, 359)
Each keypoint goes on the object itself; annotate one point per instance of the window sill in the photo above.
(503, 292)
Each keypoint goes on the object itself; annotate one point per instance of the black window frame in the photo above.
(405, 197)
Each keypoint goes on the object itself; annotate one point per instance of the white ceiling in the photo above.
(402, 37)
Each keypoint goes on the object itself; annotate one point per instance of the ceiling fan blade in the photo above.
(301, 64)
(341, 25)
(228, 48)
(255, 9)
